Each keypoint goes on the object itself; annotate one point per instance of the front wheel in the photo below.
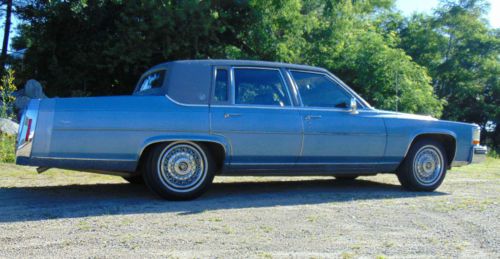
(424, 167)
(179, 170)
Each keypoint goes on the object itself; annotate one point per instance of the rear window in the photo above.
(152, 80)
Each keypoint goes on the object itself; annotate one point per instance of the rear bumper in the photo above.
(26, 134)
(478, 154)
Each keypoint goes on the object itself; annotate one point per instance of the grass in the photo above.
(13, 175)
(7, 148)
(489, 169)
(22, 176)
(465, 204)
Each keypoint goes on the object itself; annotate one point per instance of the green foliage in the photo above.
(7, 143)
(445, 64)
(101, 47)
(7, 100)
(7, 148)
(462, 55)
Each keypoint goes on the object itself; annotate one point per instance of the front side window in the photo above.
(221, 85)
(153, 80)
(317, 90)
(260, 87)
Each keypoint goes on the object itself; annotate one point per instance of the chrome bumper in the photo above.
(26, 133)
(479, 154)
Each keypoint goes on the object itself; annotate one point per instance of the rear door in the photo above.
(252, 108)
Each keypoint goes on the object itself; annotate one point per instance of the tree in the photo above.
(462, 55)
(6, 35)
(102, 47)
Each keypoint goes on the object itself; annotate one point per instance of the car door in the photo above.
(332, 134)
(251, 107)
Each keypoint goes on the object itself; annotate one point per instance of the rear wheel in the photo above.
(424, 168)
(179, 170)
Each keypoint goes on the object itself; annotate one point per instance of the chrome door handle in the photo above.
(312, 117)
(231, 115)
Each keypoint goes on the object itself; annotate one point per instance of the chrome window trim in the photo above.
(297, 108)
(233, 86)
(349, 91)
(294, 86)
(254, 106)
(185, 104)
(333, 109)
(213, 82)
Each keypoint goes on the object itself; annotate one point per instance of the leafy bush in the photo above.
(7, 100)
(493, 153)
(7, 148)
(7, 143)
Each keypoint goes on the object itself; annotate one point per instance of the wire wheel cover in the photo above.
(428, 165)
(182, 166)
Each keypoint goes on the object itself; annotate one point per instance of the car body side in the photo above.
(111, 134)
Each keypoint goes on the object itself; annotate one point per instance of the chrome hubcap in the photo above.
(428, 165)
(182, 167)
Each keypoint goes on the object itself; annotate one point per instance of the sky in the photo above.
(410, 6)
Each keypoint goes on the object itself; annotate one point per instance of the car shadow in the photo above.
(73, 201)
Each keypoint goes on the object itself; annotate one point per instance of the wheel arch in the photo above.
(447, 138)
(219, 148)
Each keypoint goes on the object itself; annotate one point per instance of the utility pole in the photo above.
(397, 89)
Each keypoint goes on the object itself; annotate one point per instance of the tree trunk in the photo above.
(5, 46)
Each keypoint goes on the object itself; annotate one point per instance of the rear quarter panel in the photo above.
(112, 128)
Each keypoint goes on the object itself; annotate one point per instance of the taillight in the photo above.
(28, 131)
(476, 136)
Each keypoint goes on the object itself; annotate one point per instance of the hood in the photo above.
(400, 115)
(408, 116)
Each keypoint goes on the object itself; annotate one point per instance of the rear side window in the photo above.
(153, 80)
(260, 87)
(189, 83)
(221, 85)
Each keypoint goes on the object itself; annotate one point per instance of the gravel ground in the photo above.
(73, 214)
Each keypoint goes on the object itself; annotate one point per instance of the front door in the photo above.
(253, 111)
(332, 134)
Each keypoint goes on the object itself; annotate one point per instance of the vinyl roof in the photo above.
(231, 62)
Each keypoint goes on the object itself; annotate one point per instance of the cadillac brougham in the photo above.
(190, 120)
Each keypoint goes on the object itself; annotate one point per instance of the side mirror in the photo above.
(353, 106)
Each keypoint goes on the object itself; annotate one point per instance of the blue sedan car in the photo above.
(190, 120)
